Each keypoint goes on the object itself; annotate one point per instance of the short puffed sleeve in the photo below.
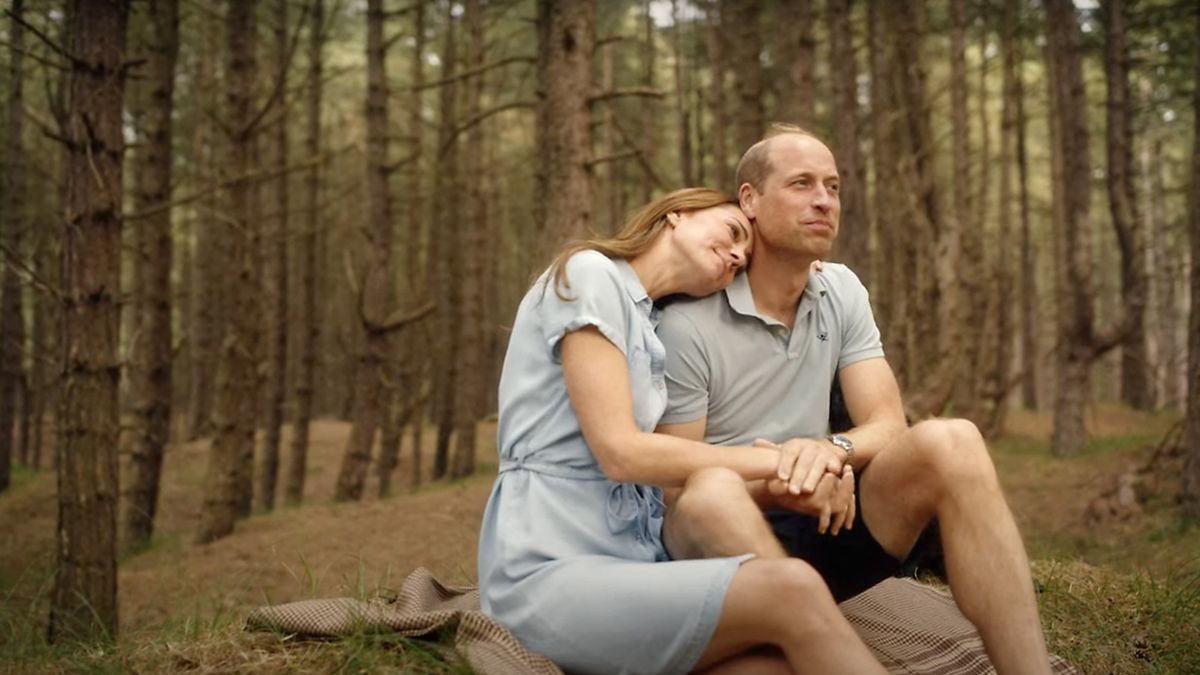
(596, 297)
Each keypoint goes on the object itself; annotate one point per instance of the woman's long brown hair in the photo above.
(638, 233)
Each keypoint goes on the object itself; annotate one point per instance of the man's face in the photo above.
(799, 210)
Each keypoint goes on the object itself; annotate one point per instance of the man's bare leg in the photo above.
(941, 468)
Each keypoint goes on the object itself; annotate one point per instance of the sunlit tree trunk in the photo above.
(83, 602)
(150, 374)
(234, 414)
(12, 227)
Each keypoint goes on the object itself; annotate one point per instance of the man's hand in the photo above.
(803, 461)
(832, 502)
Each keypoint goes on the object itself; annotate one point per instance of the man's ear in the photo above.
(746, 199)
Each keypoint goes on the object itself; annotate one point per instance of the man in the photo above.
(758, 359)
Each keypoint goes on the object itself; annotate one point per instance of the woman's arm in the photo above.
(597, 378)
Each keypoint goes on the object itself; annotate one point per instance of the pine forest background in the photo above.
(228, 219)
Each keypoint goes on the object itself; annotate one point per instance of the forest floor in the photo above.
(1118, 593)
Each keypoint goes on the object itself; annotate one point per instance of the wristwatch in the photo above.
(843, 443)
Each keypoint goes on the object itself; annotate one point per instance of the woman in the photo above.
(571, 557)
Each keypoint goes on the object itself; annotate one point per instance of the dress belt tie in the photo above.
(629, 505)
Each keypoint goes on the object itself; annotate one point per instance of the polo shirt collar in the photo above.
(741, 300)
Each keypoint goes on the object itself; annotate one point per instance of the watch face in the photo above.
(842, 442)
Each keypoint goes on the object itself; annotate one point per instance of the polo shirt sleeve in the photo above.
(861, 335)
(596, 297)
(687, 368)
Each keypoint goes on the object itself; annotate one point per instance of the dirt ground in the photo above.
(323, 549)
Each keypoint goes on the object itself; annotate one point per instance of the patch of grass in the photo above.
(1105, 622)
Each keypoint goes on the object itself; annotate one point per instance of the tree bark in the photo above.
(687, 174)
(150, 374)
(83, 602)
(12, 228)
(237, 398)
(854, 249)
(307, 323)
(275, 290)
(415, 362)
(377, 298)
(715, 39)
(1029, 334)
(1080, 341)
(740, 22)
(1122, 198)
(1191, 466)
(472, 244)
(797, 61)
(565, 81)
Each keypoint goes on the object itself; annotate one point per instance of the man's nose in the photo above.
(823, 199)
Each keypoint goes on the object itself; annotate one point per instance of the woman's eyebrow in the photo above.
(735, 223)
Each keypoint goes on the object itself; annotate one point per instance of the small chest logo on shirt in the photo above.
(823, 337)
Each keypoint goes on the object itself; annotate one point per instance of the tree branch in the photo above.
(625, 91)
(475, 71)
(479, 117)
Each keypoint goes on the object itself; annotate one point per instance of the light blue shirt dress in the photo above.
(569, 561)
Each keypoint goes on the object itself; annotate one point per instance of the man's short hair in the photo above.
(755, 164)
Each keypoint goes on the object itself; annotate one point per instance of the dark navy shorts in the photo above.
(852, 561)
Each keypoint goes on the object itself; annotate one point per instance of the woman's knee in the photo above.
(790, 591)
(711, 492)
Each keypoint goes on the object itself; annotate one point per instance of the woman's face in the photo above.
(716, 242)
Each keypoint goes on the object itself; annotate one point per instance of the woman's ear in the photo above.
(672, 218)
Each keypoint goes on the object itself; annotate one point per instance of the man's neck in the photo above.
(777, 284)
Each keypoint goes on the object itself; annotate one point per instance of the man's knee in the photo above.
(952, 451)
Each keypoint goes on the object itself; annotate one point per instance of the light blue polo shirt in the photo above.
(751, 376)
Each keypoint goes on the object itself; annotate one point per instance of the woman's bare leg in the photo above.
(785, 603)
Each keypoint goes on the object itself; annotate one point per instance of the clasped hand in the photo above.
(813, 479)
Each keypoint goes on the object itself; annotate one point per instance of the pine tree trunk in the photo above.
(209, 284)
(649, 109)
(444, 256)
(377, 298)
(237, 378)
(307, 323)
(1191, 466)
(83, 602)
(415, 361)
(740, 23)
(12, 227)
(715, 39)
(471, 243)
(1030, 357)
(566, 84)
(275, 290)
(687, 174)
(150, 374)
(1122, 197)
(797, 61)
(854, 248)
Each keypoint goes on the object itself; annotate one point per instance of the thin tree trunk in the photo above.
(472, 246)
(1028, 263)
(1191, 466)
(715, 38)
(237, 379)
(150, 376)
(442, 280)
(649, 109)
(687, 174)
(854, 248)
(12, 227)
(275, 290)
(308, 333)
(377, 298)
(414, 357)
(1122, 196)
(83, 602)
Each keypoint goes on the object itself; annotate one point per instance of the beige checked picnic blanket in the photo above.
(911, 628)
